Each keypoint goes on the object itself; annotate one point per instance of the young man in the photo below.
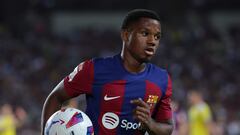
(125, 94)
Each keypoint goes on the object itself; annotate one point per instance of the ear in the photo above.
(125, 35)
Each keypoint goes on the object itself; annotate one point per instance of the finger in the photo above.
(143, 110)
(139, 102)
(142, 114)
(142, 117)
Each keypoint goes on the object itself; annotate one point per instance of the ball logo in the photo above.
(76, 118)
(110, 120)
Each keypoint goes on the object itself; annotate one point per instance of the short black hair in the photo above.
(136, 14)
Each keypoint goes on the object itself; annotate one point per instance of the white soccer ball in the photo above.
(69, 121)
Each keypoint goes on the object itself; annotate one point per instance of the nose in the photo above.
(151, 40)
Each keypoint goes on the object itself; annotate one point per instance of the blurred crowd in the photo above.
(33, 60)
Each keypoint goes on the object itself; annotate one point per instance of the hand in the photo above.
(142, 113)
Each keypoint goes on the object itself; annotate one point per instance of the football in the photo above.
(69, 121)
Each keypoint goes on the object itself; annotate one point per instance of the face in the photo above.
(142, 39)
(193, 97)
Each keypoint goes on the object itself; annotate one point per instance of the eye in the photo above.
(144, 33)
(157, 37)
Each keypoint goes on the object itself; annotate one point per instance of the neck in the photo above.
(131, 64)
(198, 101)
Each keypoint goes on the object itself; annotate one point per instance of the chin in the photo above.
(149, 58)
(143, 58)
(146, 59)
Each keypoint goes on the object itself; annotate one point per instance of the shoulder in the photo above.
(156, 69)
(158, 73)
(98, 62)
(106, 65)
(104, 60)
(160, 76)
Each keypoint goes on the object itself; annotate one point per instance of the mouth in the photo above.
(149, 51)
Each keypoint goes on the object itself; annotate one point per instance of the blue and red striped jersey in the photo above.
(109, 88)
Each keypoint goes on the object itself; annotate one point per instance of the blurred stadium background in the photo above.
(41, 41)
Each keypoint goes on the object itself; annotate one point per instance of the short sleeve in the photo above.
(164, 111)
(80, 80)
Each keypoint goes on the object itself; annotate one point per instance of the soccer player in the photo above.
(126, 95)
(7, 120)
(199, 114)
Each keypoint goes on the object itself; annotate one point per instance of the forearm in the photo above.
(51, 105)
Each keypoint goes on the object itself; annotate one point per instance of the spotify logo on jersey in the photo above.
(110, 120)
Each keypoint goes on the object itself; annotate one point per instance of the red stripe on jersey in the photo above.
(164, 109)
(111, 106)
(152, 95)
(80, 80)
